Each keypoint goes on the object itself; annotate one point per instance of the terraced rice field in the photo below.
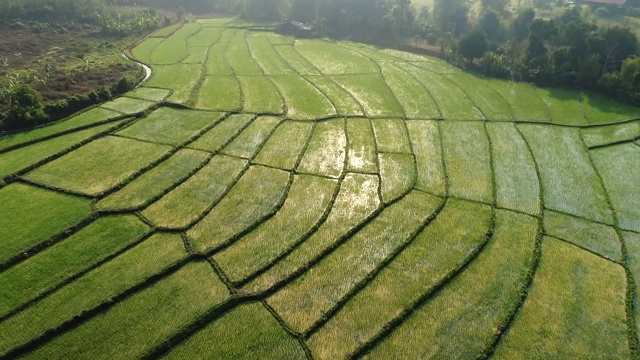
(265, 197)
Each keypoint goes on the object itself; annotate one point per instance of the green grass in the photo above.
(301, 211)
(220, 93)
(599, 109)
(260, 95)
(599, 238)
(96, 287)
(197, 55)
(564, 105)
(569, 181)
(239, 56)
(397, 175)
(181, 78)
(205, 37)
(149, 93)
(284, 148)
(142, 52)
(303, 100)
(29, 215)
(452, 101)
(305, 300)
(98, 166)
(333, 59)
(599, 136)
(17, 160)
(170, 126)
(391, 135)
(173, 49)
(427, 147)
(152, 184)
(343, 102)
(632, 242)
(246, 332)
(166, 31)
(356, 201)
(462, 320)
(575, 309)
(492, 104)
(517, 184)
(216, 61)
(191, 199)
(51, 267)
(266, 57)
(326, 152)
(373, 94)
(412, 96)
(467, 160)
(525, 101)
(223, 133)
(296, 61)
(619, 167)
(128, 106)
(255, 196)
(143, 321)
(447, 243)
(249, 142)
(88, 118)
(361, 153)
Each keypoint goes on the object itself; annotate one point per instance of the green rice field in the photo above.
(267, 197)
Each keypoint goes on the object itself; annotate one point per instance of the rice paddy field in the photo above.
(265, 197)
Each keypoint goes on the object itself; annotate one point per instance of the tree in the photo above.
(490, 24)
(474, 44)
(303, 10)
(495, 5)
(520, 26)
(451, 15)
(261, 9)
(629, 73)
(615, 44)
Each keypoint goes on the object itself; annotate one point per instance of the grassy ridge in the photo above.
(427, 148)
(282, 150)
(326, 152)
(361, 152)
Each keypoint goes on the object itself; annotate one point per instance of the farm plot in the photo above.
(260, 95)
(142, 52)
(612, 134)
(475, 305)
(304, 301)
(197, 55)
(171, 126)
(333, 59)
(258, 194)
(448, 243)
(373, 94)
(601, 110)
(632, 242)
(223, 133)
(25, 158)
(92, 117)
(397, 175)
(412, 96)
(451, 100)
(99, 166)
(391, 136)
(516, 178)
(128, 106)
(31, 215)
(53, 266)
(248, 332)
(467, 160)
(303, 100)
(266, 57)
(343, 102)
(205, 37)
(361, 153)
(598, 238)
(174, 49)
(191, 199)
(285, 147)
(249, 142)
(525, 101)
(239, 56)
(135, 326)
(574, 295)
(220, 93)
(216, 62)
(570, 183)
(111, 279)
(564, 105)
(427, 148)
(149, 93)
(326, 152)
(166, 31)
(181, 78)
(301, 212)
(492, 105)
(619, 167)
(153, 184)
(356, 202)
(298, 63)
